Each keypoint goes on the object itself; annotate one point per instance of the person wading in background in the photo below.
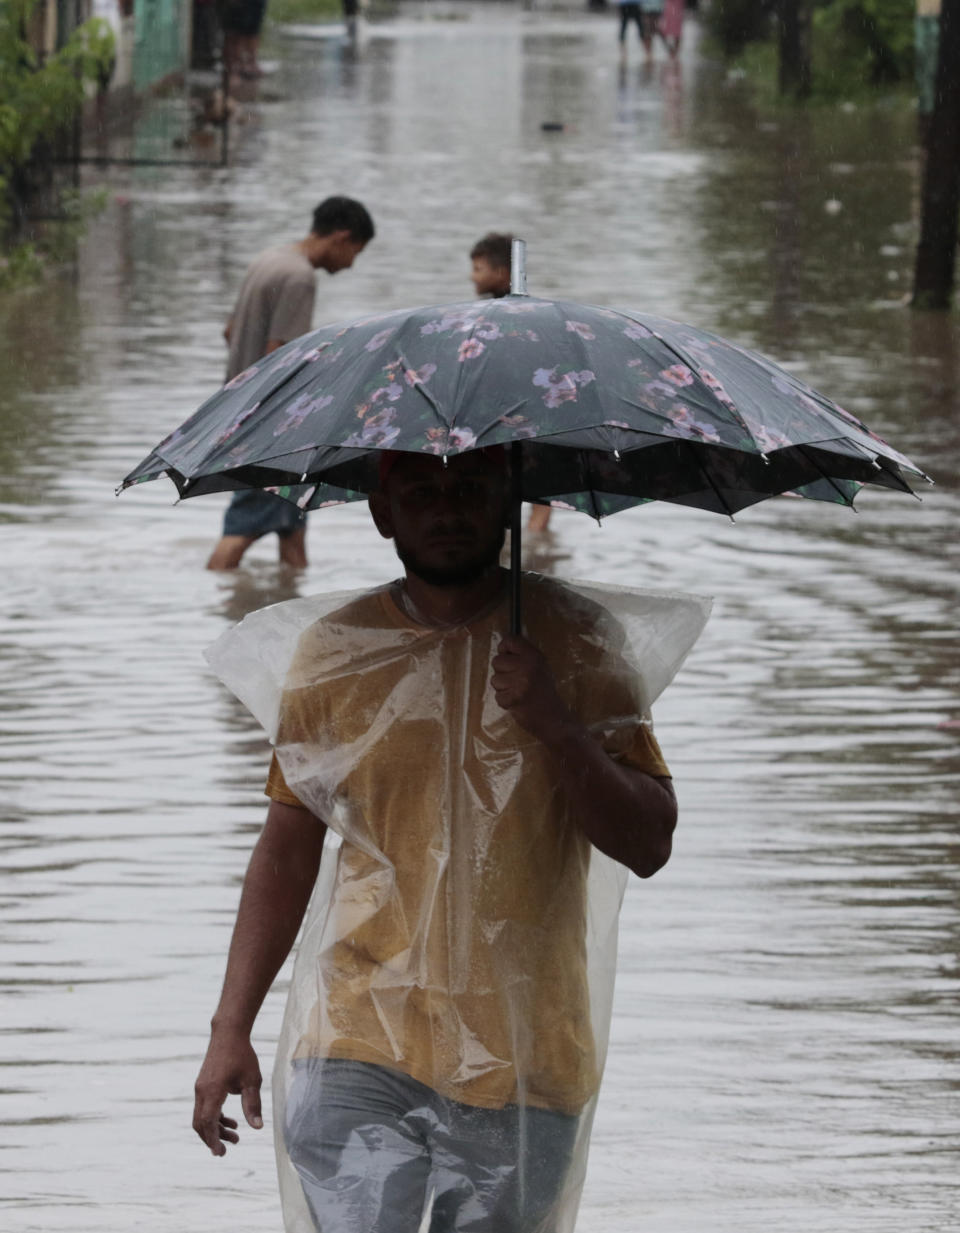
(274, 306)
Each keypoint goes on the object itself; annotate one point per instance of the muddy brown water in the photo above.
(784, 1052)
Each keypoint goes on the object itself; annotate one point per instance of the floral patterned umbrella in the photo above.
(604, 409)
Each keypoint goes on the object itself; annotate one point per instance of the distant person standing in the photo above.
(490, 272)
(351, 9)
(490, 265)
(651, 14)
(274, 306)
(242, 21)
(671, 25)
(629, 12)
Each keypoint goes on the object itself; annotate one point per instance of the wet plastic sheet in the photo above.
(456, 965)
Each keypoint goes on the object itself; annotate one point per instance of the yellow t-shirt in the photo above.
(458, 952)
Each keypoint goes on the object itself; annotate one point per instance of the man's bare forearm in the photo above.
(625, 813)
(276, 891)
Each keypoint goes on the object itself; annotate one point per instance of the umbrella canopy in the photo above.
(611, 408)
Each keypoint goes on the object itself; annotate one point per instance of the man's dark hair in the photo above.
(343, 214)
(494, 247)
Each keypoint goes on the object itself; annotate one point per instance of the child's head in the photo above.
(490, 258)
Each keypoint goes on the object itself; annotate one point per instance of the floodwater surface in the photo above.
(784, 1052)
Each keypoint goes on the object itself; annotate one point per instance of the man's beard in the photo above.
(459, 573)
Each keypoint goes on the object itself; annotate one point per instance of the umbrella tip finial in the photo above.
(518, 267)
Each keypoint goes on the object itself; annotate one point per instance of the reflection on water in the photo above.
(784, 1052)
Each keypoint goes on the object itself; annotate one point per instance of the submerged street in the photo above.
(783, 1052)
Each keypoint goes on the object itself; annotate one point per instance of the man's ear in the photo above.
(380, 512)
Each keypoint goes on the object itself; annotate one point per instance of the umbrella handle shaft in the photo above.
(516, 507)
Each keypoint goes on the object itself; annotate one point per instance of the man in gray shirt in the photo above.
(274, 306)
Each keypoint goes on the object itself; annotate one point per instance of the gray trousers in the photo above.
(371, 1146)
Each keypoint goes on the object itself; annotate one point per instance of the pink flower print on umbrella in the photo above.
(241, 378)
(289, 358)
(581, 328)
(378, 431)
(323, 353)
(297, 412)
(378, 340)
(682, 420)
(232, 427)
(444, 440)
(459, 321)
(520, 426)
(436, 441)
(488, 330)
(769, 440)
(678, 374)
(637, 332)
(419, 376)
(563, 388)
(470, 348)
(712, 383)
(660, 387)
(390, 392)
(462, 438)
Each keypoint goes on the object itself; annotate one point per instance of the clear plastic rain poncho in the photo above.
(447, 1023)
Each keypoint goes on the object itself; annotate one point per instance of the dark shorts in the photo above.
(252, 513)
(371, 1145)
(243, 17)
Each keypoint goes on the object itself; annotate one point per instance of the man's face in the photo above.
(489, 279)
(341, 251)
(447, 523)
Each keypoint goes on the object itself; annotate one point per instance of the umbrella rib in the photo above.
(421, 388)
(878, 460)
(691, 448)
(461, 369)
(823, 475)
(694, 366)
(592, 490)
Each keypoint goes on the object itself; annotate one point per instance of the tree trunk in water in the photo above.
(936, 253)
(794, 21)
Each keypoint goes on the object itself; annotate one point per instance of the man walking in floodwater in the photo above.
(274, 306)
(444, 1038)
